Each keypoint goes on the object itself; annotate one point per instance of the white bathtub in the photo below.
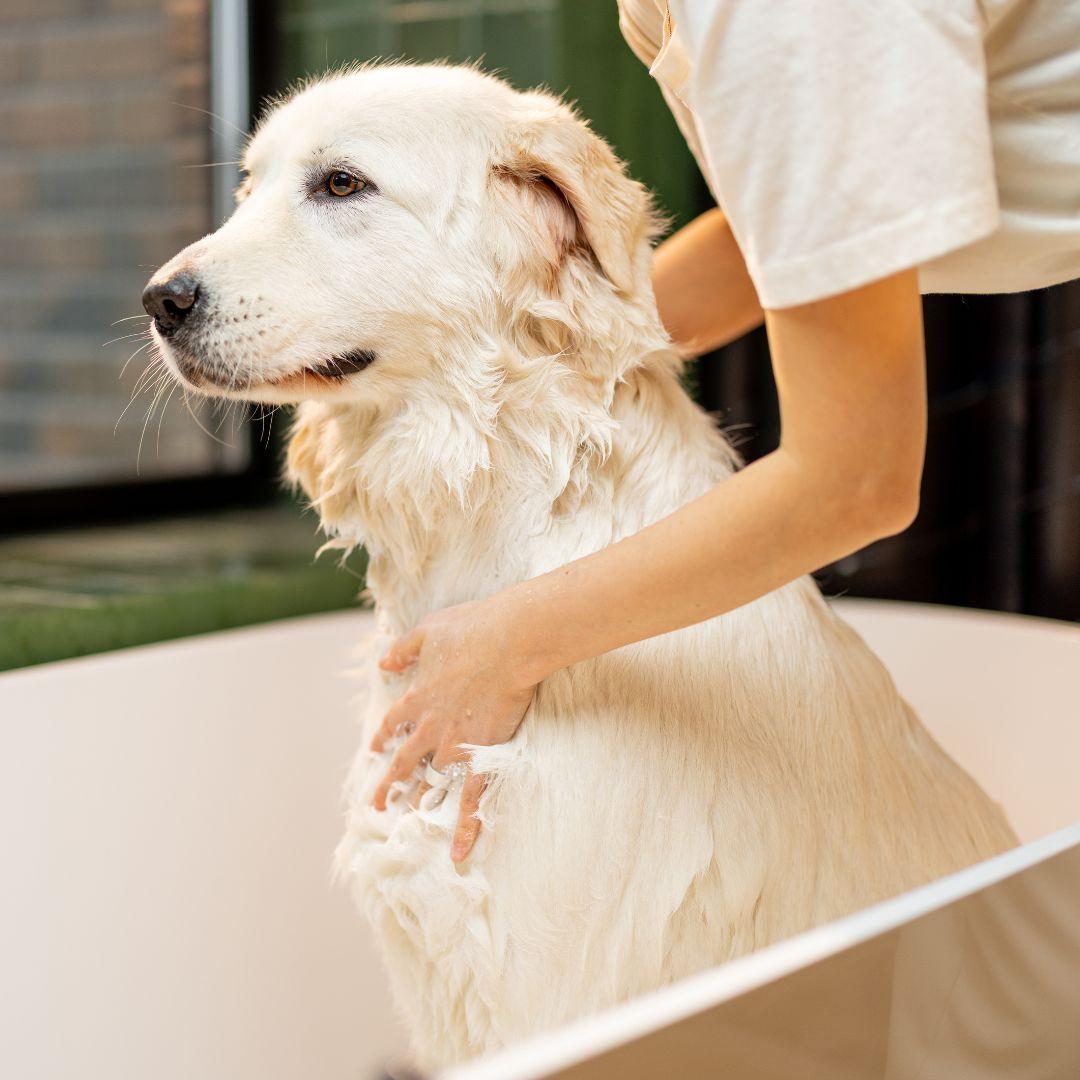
(167, 815)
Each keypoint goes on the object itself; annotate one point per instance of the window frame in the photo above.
(240, 63)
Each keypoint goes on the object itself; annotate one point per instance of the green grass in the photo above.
(89, 591)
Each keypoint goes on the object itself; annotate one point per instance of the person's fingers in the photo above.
(401, 719)
(403, 652)
(447, 754)
(468, 826)
(402, 764)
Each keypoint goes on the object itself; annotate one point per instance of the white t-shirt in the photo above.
(852, 139)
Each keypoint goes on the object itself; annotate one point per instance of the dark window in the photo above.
(106, 148)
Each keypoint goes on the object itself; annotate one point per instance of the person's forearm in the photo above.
(757, 531)
(851, 378)
(703, 291)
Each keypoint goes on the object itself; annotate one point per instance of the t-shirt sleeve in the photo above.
(846, 140)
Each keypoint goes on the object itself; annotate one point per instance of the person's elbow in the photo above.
(862, 495)
(884, 501)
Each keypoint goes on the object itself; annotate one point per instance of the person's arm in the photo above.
(703, 290)
(851, 379)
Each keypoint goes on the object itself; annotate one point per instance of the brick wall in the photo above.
(95, 191)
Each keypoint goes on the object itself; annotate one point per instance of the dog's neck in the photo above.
(454, 489)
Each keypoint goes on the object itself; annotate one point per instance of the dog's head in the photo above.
(385, 212)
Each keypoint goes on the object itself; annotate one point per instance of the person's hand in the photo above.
(468, 688)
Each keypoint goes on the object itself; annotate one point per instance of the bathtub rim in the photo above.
(577, 1042)
(1060, 628)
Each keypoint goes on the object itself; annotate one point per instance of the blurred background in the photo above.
(128, 515)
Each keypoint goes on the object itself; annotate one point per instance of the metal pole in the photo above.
(230, 97)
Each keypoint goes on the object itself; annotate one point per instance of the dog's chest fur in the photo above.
(452, 507)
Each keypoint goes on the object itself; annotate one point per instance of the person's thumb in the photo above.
(403, 652)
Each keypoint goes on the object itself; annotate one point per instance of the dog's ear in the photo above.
(577, 191)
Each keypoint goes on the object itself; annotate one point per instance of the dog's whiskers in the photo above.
(160, 387)
(153, 371)
(161, 420)
(124, 368)
(266, 429)
(224, 407)
(124, 337)
(213, 116)
(198, 423)
(141, 384)
(211, 164)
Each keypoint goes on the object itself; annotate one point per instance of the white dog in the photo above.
(453, 279)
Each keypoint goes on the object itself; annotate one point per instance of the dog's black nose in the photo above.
(170, 302)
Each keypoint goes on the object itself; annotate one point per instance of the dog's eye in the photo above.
(343, 183)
